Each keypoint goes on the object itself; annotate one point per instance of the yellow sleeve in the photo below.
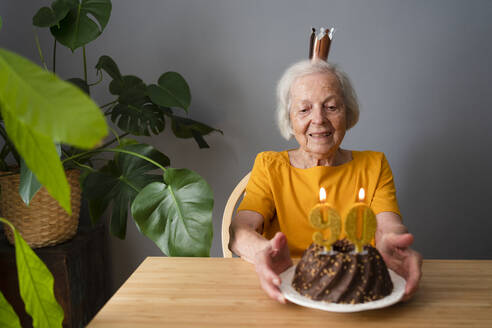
(259, 197)
(384, 199)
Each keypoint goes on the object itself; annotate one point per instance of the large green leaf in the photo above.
(119, 182)
(50, 106)
(177, 214)
(187, 128)
(8, 317)
(79, 27)
(47, 17)
(36, 285)
(171, 91)
(41, 157)
(81, 84)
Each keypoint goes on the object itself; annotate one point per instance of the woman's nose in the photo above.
(318, 115)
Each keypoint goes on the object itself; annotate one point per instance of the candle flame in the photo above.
(322, 194)
(362, 194)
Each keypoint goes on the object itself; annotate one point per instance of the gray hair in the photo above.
(307, 67)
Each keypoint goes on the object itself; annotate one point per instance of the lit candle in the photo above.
(361, 223)
(324, 217)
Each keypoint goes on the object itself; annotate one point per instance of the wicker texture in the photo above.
(43, 222)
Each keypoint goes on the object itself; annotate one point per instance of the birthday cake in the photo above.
(342, 275)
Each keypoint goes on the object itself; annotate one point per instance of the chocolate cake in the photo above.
(342, 276)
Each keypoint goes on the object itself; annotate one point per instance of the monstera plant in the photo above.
(33, 105)
(49, 125)
(174, 208)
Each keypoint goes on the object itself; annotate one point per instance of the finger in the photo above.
(267, 272)
(414, 274)
(273, 292)
(279, 241)
(399, 241)
(269, 283)
(275, 262)
(403, 262)
(399, 254)
(395, 265)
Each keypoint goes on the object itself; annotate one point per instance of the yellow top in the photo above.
(284, 194)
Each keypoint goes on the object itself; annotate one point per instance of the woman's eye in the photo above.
(303, 110)
(331, 108)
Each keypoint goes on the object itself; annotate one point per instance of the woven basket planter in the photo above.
(43, 222)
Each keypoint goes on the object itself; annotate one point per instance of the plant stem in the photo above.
(36, 38)
(54, 57)
(77, 163)
(85, 64)
(109, 104)
(84, 166)
(113, 131)
(116, 150)
(71, 158)
(115, 139)
(98, 81)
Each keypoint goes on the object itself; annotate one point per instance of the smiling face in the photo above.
(317, 114)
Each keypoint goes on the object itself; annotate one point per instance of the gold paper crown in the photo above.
(320, 43)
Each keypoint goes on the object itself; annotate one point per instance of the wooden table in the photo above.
(217, 292)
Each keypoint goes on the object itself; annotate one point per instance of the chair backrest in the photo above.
(229, 212)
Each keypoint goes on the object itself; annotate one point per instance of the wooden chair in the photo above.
(236, 195)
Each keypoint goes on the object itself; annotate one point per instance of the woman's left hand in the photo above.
(399, 257)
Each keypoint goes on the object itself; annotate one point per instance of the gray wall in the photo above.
(422, 70)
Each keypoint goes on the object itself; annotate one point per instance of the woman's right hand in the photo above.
(270, 262)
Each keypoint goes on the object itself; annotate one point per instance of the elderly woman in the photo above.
(317, 105)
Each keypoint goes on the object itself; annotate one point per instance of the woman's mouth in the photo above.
(320, 134)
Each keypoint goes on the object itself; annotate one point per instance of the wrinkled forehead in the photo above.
(315, 85)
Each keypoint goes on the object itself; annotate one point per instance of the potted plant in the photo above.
(137, 109)
(32, 129)
(176, 202)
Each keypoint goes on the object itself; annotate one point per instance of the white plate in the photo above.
(292, 295)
